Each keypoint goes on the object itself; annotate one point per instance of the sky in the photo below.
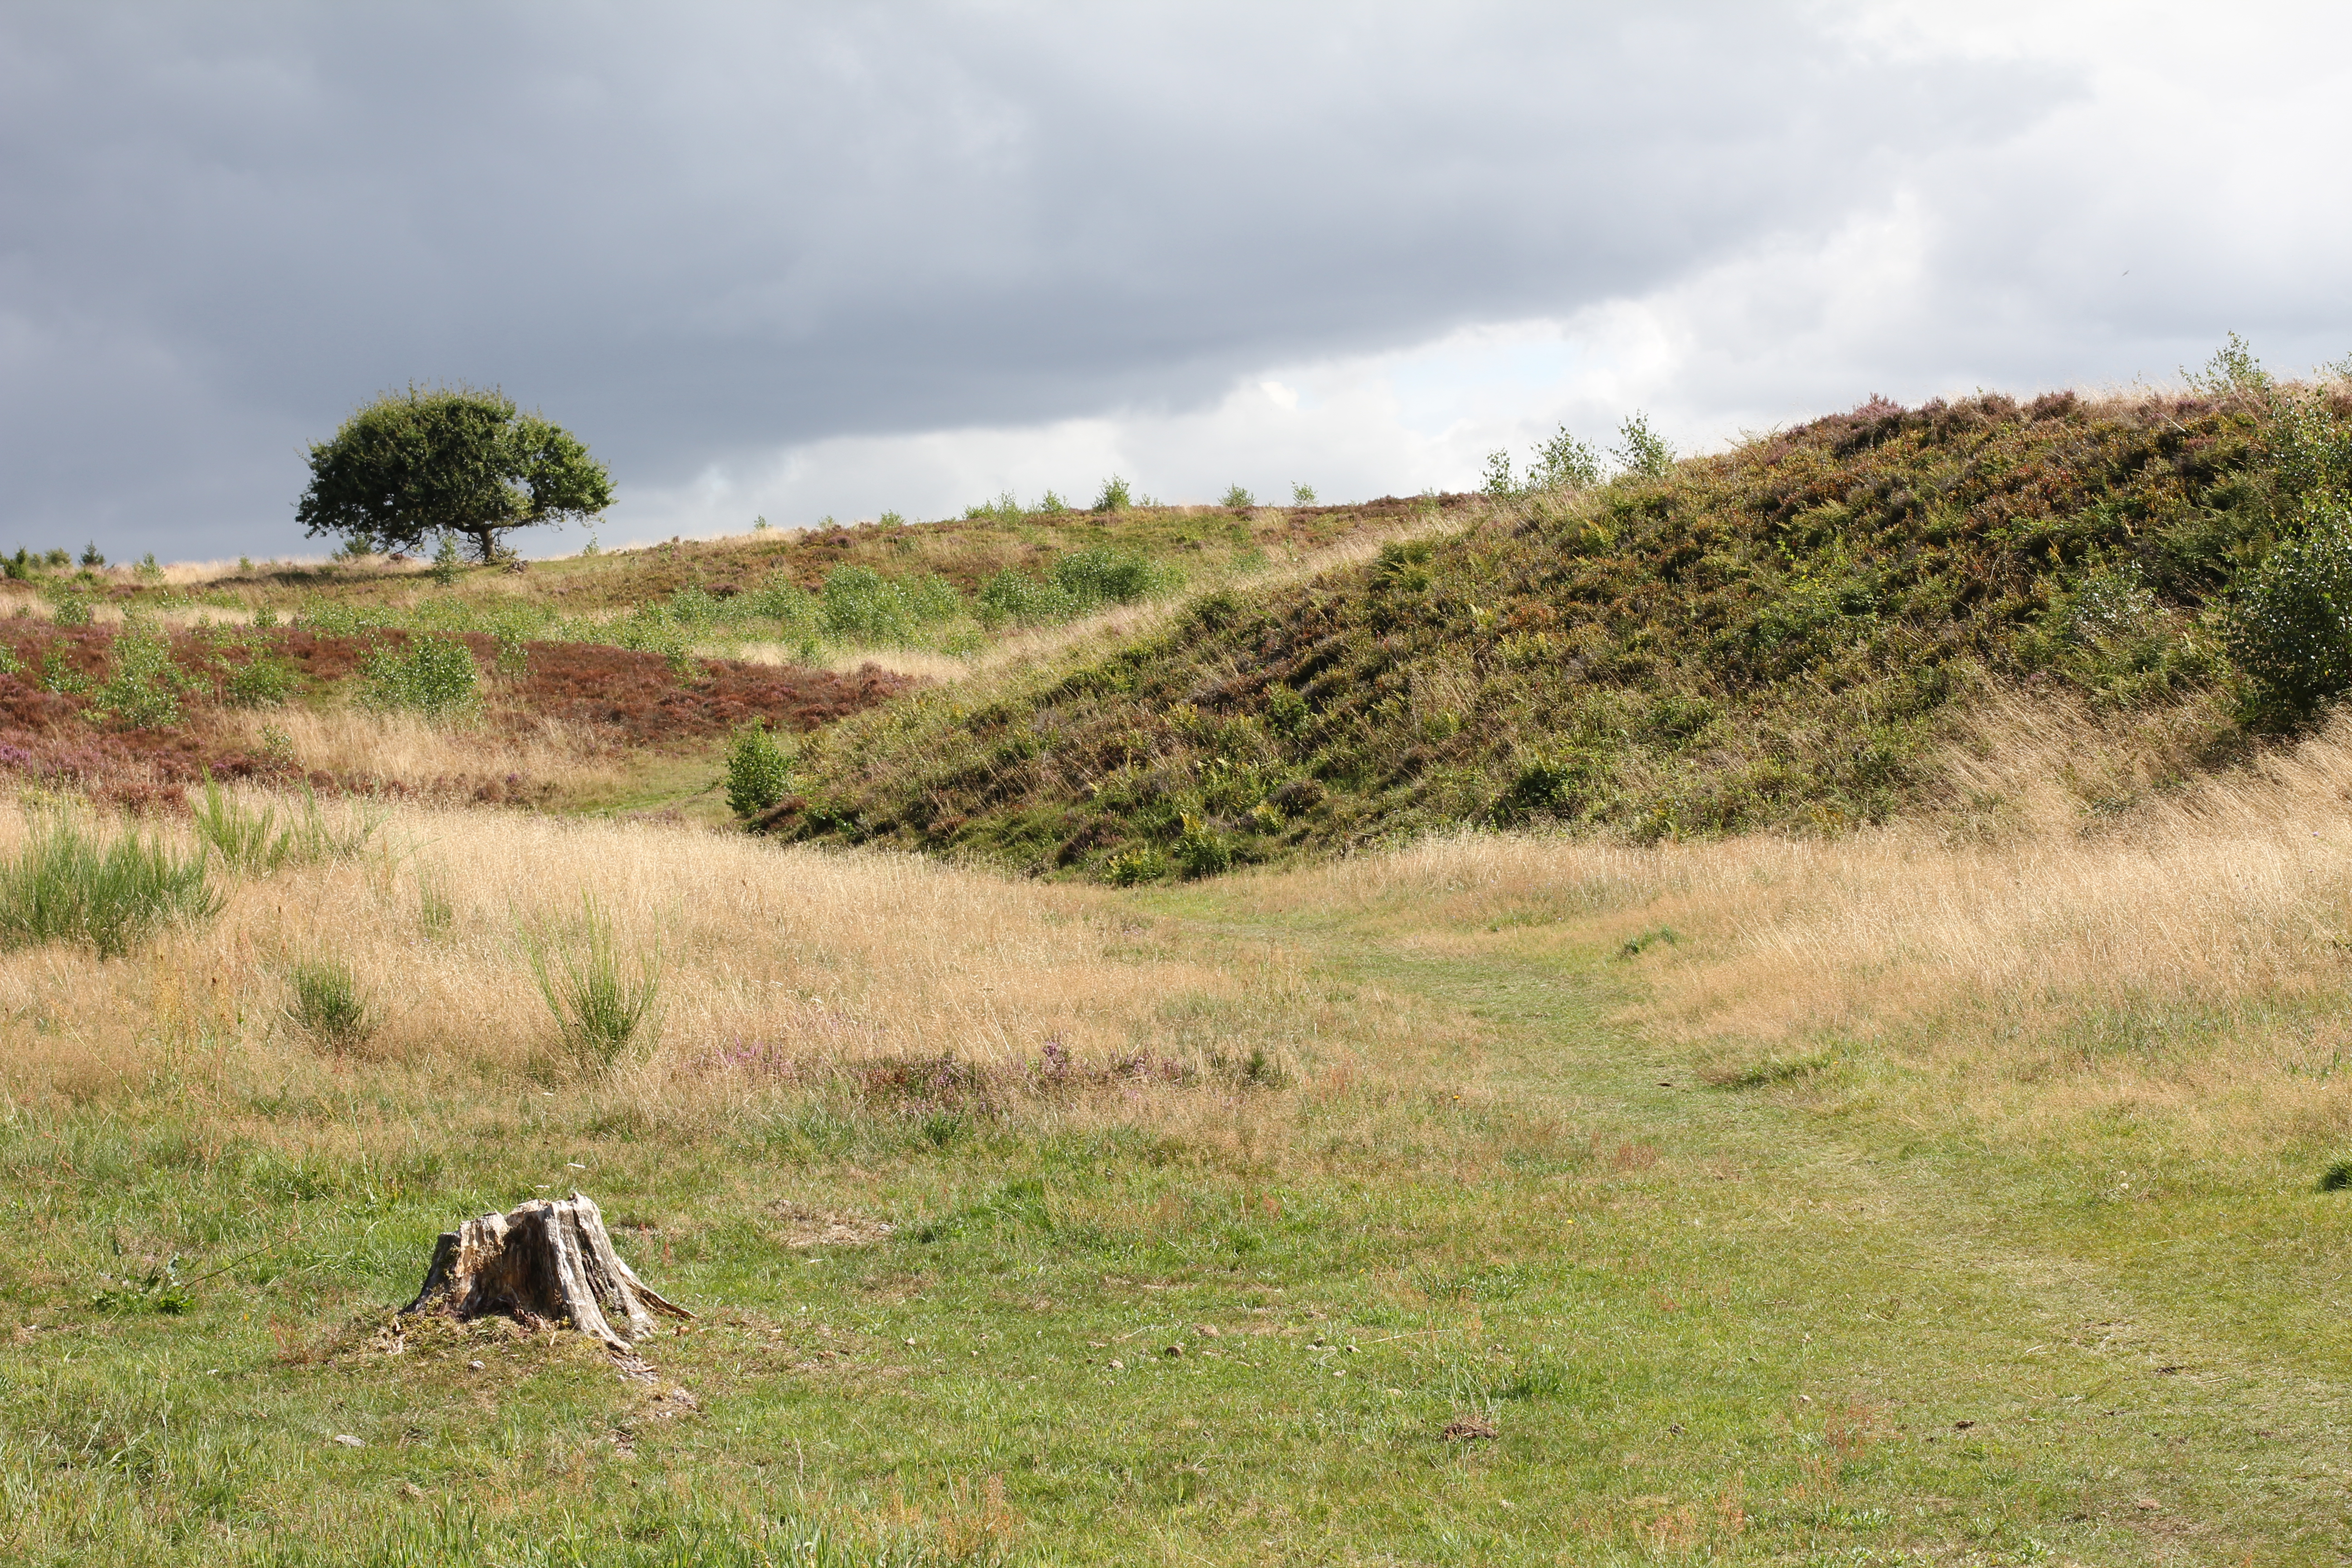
(810, 261)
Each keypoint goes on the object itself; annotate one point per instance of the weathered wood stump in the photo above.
(550, 1258)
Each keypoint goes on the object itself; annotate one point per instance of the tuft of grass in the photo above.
(600, 1012)
(2337, 1178)
(65, 885)
(252, 841)
(325, 1004)
(1633, 947)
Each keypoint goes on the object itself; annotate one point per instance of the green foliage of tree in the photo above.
(1642, 450)
(447, 459)
(2290, 629)
(758, 774)
(435, 676)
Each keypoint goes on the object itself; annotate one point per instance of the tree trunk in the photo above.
(550, 1258)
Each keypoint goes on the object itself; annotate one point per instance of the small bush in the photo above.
(1101, 575)
(325, 1004)
(1115, 495)
(446, 562)
(265, 680)
(65, 885)
(59, 674)
(1286, 711)
(143, 691)
(67, 608)
(2291, 627)
(758, 774)
(1238, 497)
(1302, 495)
(1202, 851)
(599, 1011)
(1131, 868)
(1642, 450)
(434, 674)
(1564, 463)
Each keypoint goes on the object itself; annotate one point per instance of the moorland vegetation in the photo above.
(1804, 1026)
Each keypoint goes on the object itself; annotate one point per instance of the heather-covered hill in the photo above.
(1783, 636)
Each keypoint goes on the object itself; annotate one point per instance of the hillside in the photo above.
(604, 679)
(1790, 635)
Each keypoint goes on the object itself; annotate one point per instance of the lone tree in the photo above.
(447, 460)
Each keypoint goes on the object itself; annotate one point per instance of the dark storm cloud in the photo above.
(692, 231)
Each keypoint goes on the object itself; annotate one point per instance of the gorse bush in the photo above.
(433, 674)
(2290, 629)
(759, 775)
(324, 1001)
(64, 885)
(600, 1011)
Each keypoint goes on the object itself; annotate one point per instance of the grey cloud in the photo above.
(689, 232)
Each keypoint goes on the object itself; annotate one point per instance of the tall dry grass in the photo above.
(2039, 961)
(782, 973)
(363, 742)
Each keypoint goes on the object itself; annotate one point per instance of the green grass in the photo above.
(67, 885)
(1783, 1325)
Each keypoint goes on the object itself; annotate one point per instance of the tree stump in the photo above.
(550, 1258)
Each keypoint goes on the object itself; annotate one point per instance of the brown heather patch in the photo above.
(581, 714)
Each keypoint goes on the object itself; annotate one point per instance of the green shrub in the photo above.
(142, 692)
(1302, 495)
(1115, 495)
(2290, 629)
(599, 1011)
(1564, 463)
(1642, 450)
(445, 563)
(1102, 575)
(1238, 497)
(10, 663)
(434, 674)
(1024, 600)
(325, 1004)
(58, 673)
(758, 774)
(264, 680)
(65, 885)
(67, 608)
(1202, 851)
(1131, 867)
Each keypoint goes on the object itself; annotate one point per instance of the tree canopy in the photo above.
(447, 460)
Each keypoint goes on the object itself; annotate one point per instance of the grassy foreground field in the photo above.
(1901, 1198)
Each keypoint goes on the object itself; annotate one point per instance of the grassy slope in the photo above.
(1776, 637)
(1792, 1325)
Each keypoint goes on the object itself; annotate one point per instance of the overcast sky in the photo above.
(839, 259)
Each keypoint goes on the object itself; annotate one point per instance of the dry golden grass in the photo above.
(781, 971)
(2182, 962)
(361, 743)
